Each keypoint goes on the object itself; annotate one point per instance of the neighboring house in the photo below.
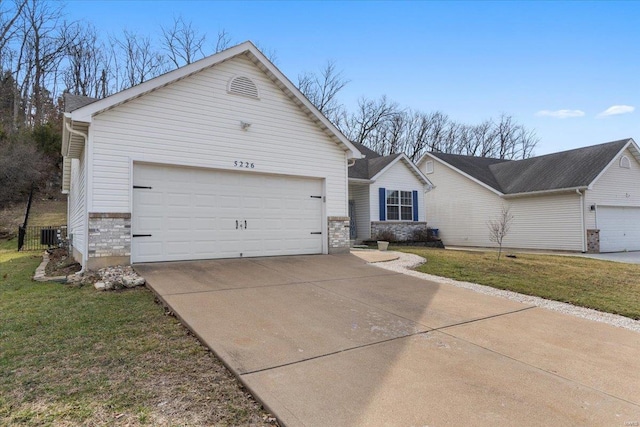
(386, 193)
(222, 158)
(580, 200)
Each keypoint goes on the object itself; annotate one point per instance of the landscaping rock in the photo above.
(109, 278)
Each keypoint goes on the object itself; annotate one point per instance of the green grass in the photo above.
(602, 285)
(75, 356)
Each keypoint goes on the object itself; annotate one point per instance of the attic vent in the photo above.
(624, 162)
(429, 166)
(244, 86)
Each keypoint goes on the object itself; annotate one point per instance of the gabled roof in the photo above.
(85, 113)
(374, 165)
(572, 169)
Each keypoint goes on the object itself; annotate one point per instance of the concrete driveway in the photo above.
(625, 257)
(330, 340)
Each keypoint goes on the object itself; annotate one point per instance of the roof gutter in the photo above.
(361, 180)
(75, 132)
(545, 192)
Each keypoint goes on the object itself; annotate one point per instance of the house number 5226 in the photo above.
(242, 164)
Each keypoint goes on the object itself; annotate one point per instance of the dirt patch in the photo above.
(61, 263)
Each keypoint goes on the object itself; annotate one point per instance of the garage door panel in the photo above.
(619, 228)
(145, 224)
(202, 214)
(178, 200)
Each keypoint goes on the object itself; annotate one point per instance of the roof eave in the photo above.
(545, 192)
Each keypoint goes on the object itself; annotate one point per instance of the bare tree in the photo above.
(322, 89)
(44, 44)
(137, 59)
(499, 228)
(182, 43)
(365, 124)
(223, 41)
(8, 23)
(86, 72)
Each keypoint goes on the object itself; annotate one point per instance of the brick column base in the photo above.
(338, 234)
(593, 241)
(109, 239)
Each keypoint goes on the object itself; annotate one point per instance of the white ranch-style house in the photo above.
(221, 158)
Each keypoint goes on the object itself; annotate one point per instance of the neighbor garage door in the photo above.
(619, 228)
(189, 213)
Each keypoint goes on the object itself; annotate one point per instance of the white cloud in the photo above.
(614, 110)
(560, 114)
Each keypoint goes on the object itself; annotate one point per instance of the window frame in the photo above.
(401, 203)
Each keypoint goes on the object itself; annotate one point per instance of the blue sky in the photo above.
(569, 70)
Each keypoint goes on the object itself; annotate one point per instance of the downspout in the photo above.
(85, 255)
(584, 229)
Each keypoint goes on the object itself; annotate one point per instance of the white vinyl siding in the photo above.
(76, 205)
(195, 122)
(616, 187)
(359, 193)
(460, 208)
(399, 178)
(546, 222)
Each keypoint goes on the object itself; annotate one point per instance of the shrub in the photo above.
(386, 235)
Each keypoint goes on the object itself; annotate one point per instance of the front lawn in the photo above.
(75, 356)
(602, 285)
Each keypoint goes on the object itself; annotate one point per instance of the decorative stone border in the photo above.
(40, 274)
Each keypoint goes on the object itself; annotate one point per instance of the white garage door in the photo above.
(619, 228)
(188, 213)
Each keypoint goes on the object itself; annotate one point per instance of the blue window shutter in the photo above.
(383, 204)
(415, 205)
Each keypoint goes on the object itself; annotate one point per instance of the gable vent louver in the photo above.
(244, 86)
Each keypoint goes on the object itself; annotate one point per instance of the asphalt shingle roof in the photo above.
(73, 102)
(371, 165)
(567, 169)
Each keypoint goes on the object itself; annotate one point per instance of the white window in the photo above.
(624, 162)
(399, 205)
(429, 166)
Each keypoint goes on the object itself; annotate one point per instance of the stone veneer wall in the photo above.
(402, 230)
(593, 241)
(109, 239)
(338, 234)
